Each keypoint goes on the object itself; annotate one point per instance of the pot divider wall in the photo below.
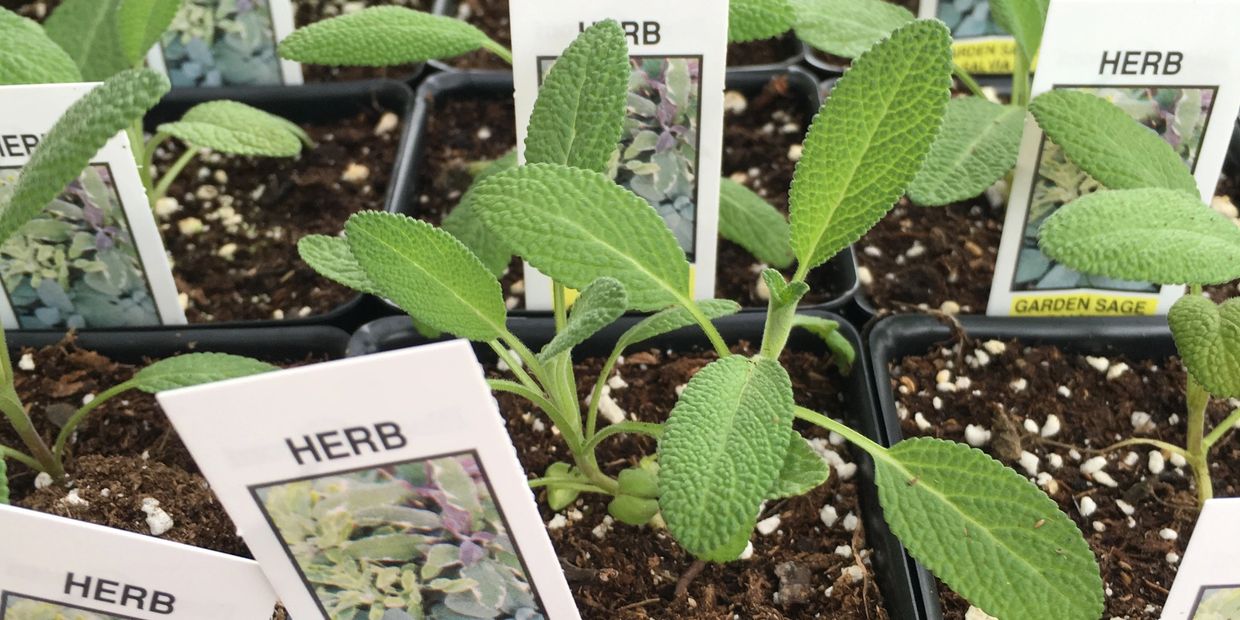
(134, 346)
(902, 593)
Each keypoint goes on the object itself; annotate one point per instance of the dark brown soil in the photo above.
(839, 63)
(243, 264)
(311, 11)
(631, 573)
(1098, 412)
(491, 16)
(37, 10)
(757, 145)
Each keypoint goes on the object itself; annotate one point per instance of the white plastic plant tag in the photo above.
(979, 45)
(227, 43)
(380, 480)
(93, 258)
(679, 59)
(55, 567)
(1178, 74)
(1207, 586)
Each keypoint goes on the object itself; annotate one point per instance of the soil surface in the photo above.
(491, 16)
(311, 11)
(762, 139)
(233, 231)
(622, 572)
(1097, 402)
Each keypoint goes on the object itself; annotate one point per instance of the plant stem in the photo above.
(1020, 80)
(21, 457)
(147, 162)
(597, 394)
(1141, 441)
(66, 431)
(497, 49)
(861, 441)
(166, 181)
(538, 400)
(1198, 398)
(779, 321)
(515, 366)
(716, 340)
(560, 303)
(1221, 430)
(642, 428)
(17, 416)
(141, 154)
(967, 79)
(567, 483)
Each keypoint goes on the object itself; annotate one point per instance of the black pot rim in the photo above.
(134, 345)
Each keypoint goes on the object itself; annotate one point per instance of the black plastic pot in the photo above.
(316, 102)
(1232, 164)
(901, 592)
(265, 343)
(900, 336)
(840, 271)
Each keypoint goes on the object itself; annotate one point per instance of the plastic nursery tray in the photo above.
(901, 592)
(841, 270)
(133, 346)
(900, 336)
(310, 103)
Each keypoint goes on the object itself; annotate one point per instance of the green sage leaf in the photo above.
(847, 28)
(29, 56)
(1024, 20)
(236, 128)
(140, 23)
(870, 140)
(579, 115)
(673, 319)
(1208, 338)
(630, 510)
(803, 470)
(783, 292)
(87, 30)
(749, 221)
(382, 36)
(1108, 144)
(987, 532)
(428, 273)
(332, 258)
(750, 20)
(722, 450)
(842, 352)
(577, 226)
(195, 369)
(84, 128)
(598, 306)
(978, 145)
(465, 224)
(1148, 235)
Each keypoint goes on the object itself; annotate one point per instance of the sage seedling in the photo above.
(729, 443)
(1150, 225)
(66, 149)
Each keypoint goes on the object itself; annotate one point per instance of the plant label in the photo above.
(62, 568)
(93, 258)
(1207, 586)
(380, 485)
(1176, 74)
(227, 43)
(979, 45)
(671, 150)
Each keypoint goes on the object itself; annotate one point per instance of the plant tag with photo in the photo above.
(671, 150)
(1172, 66)
(63, 568)
(1207, 586)
(93, 258)
(380, 485)
(227, 43)
(979, 45)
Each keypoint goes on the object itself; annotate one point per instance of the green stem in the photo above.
(597, 394)
(17, 416)
(21, 457)
(1020, 80)
(147, 161)
(497, 49)
(641, 428)
(779, 322)
(166, 181)
(861, 441)
(514, 366)
(141, 154)
(1221, 430)
(512, 387)
(712, 333)
(66, 431)
(967, 79)
(1141, 441)
(1198, 399)
(566, 483)
(560, 304)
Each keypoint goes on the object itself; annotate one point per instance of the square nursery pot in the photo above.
(835, 282)
(306, 104)
(770, 55)
(900, 336)
(902, 593)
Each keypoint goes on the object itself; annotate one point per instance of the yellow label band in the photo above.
(1084, 304)
(988, 56)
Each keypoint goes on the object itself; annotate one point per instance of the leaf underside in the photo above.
(196, 369)
(29, 56)
(1208, 338)
(381, 36)
(598, 306)
(978, 145)
(235, 128)
(332, 259)
(752, 223)
(803, 470)
(87, 31)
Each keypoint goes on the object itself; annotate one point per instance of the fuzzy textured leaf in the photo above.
(752, 223)
(195, 369)
(577, 226)
(1024, 20)
(1208, 338)
(1147, 235)
(978, 145)
(29, 56)
(1107, 143)
(140, 23)
(721, 452)
(428, 273)
(842, 351)
(987, 532)
(598, 306)
(464, 224)
(750, 20)
(87, 31)
(847, 27)
(579, 115)
(803, 470)
(332, 259)
(235, 128)
(381, 36)
(870, 140)
(673, 319)
(84, 128)
(783, 292)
